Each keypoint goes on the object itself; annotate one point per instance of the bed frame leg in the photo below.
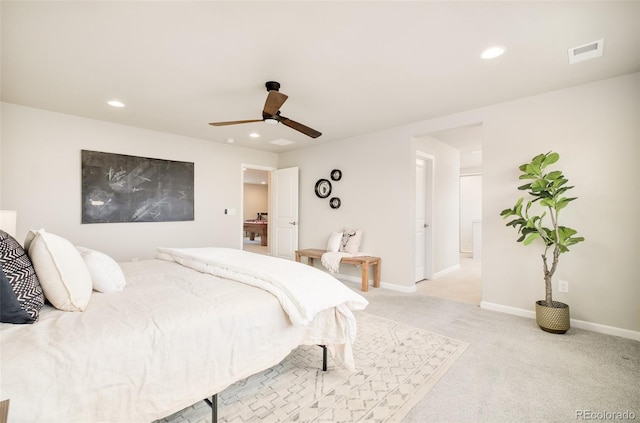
(324, 357)
(213, 403)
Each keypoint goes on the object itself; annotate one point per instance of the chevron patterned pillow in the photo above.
(10, 310)
(21, 275)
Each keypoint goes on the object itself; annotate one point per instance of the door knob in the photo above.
(426, 226)
(292, 223)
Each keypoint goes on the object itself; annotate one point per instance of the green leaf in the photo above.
(531, 237)
(563, 202)
(548, 202)
(533, 169)
(550, 158)
(566, 232)
(537, 160)
(559, 182)
(554, 175)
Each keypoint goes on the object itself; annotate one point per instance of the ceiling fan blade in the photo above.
(275, 100)
(299, 127)
(234, 122)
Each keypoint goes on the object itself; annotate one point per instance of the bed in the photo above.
(183, 329)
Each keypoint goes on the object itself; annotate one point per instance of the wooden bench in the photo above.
(362, 261)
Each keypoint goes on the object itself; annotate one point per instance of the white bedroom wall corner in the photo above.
(374, 191)
(593, 126)
(49, 144)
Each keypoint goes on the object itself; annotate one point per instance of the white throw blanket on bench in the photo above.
(331, 260)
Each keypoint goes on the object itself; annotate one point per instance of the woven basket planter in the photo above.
(552, 319)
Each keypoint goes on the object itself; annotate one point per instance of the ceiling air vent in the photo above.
(586, 51)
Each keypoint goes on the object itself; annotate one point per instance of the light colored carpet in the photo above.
(397, 365)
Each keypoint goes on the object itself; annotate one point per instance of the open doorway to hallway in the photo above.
(465, 283)
(462, 285)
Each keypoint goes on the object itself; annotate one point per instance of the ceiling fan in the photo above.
(271, 112)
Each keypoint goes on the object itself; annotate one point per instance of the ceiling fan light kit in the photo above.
(271, 112)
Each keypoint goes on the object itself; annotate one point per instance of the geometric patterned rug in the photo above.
(396, 364)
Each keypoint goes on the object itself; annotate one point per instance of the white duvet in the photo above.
(302, 290)
(172, 337)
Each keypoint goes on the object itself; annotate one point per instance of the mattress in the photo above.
(172, 337)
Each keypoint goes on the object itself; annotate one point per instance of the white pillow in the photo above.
(333, 244)
(106, 274)
(351, 240)
(64, 277)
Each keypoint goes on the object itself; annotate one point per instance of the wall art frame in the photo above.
(123, 188)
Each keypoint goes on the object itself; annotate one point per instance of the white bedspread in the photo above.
(172, 337)
(302, 290)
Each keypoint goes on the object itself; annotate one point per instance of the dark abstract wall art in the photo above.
(122, 188)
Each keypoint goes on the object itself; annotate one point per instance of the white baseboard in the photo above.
(580, 324)
(447, 270)
(385, 285)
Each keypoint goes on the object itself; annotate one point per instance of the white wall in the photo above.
(446, 203)
(594, 127)
(41, 173)
(256, 200)
(377, 191)
(470, 209)
(374, 191)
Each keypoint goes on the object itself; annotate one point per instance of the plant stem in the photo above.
(548, 273)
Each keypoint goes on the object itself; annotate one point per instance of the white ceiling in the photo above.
(348, 67)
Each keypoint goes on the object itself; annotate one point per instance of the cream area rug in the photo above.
(397, 365)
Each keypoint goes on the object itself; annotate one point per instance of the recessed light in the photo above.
(254, 135)
(115, 103)
(493, 52)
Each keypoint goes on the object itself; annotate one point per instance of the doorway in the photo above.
(465, 283)
(424, 217)
(255, 208)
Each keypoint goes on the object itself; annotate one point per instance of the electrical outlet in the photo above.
(563, 286)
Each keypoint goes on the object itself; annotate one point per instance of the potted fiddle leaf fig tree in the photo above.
(537, 220)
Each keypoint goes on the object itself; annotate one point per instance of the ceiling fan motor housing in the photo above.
(272, 86)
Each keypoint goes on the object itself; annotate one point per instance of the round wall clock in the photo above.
(334, 202)
(336, 174)
(323, 188)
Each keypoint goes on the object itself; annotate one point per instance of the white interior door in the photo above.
(284, 212)
(423, 220)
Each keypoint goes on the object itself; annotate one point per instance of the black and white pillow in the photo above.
(10, 310)
(21, 275)
(351, 240)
